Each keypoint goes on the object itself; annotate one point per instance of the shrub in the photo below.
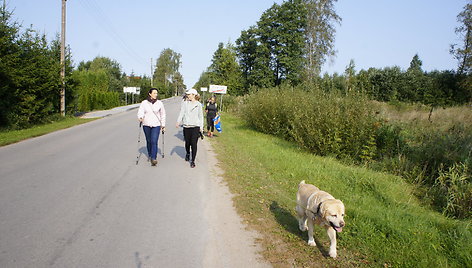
(323, 123)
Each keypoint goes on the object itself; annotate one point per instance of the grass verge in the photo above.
(385, 224)
(12, 136)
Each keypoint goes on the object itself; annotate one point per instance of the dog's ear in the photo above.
(324, 211)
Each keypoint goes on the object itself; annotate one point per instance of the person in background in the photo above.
(191, 117)
(211, 110)
(152, 115)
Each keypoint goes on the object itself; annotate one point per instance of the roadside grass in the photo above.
(12, 136)
(385, 223)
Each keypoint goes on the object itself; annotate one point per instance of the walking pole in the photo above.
(162, 143)
(139, 140)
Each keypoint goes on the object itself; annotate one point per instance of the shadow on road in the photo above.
(179, 150)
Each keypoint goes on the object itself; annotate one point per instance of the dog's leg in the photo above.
(301, 218)
(332, 247)
(311, 240)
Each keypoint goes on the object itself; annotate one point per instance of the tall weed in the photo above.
(453, 188)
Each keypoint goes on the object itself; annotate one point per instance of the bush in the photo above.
(323, 123)
(428, 154)
(98, 100)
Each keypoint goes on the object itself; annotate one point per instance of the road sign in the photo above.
(218, 89)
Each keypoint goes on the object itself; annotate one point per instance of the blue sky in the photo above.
(374, 33)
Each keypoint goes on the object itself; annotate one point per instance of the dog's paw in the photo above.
(312, 243)
(303, 228)
(333, 254)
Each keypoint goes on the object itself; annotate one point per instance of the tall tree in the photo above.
(167, 67)
(9, 66)
(272, 52)
(415, 64)
(350, 74)
(463, 53)
(111, 67)
(281, 32)
(414, 83)
(225, 70)
(246, 50)
(320, 34)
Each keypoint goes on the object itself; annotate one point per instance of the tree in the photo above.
(9, 66)
(167, 67)
(415, 84)
(350, 74)
(246, 50)
(225, 70)
(111, 67)
(203, 81)
(281, 33)
(463, 53)
(320, 34)
(273, 52)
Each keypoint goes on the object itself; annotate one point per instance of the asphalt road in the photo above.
(76, 198)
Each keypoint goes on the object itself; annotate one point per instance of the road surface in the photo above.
(76, 198)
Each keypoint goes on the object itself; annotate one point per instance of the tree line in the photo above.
(31, 83)
(292, 40)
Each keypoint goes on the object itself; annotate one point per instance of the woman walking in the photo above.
(191, 117)
(152, 114)
(211, 110)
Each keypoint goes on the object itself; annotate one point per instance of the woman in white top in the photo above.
(191, 117)
(152, 114)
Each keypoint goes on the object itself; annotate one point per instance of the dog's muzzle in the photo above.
(336, 228)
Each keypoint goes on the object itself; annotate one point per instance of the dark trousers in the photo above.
(191, 135)
(152, 135)
(210, 123)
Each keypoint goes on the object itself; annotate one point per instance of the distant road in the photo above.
(76, 198)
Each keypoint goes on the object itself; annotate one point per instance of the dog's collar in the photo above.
(317, 209)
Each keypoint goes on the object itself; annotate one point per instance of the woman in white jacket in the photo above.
(191, 117)
(152, 114)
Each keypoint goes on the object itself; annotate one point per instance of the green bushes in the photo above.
(433, 153)
(325, 124)
(98, 100)
(93, 91)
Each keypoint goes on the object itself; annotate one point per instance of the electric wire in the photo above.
(100, 17)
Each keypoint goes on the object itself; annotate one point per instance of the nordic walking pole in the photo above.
(162, 143)
(139, 140)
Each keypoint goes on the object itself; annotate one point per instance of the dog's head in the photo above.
(332, 211)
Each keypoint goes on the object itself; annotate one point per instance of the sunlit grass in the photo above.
(386, 225)
(12, 136)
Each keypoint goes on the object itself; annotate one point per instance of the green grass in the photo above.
(12, 136)
(385, 224)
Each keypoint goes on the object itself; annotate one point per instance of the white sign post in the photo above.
(204, 89)
(219, 89)
(132, 90)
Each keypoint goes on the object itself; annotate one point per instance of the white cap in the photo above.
(192, 91)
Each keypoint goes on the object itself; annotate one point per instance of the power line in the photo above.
(94, 10)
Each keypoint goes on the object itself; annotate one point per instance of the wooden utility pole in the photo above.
(152, 73)
(63, 56)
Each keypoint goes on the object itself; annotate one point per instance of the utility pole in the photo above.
(152, 74)
(63, 62)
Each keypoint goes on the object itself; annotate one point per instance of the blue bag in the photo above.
(217, 122)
